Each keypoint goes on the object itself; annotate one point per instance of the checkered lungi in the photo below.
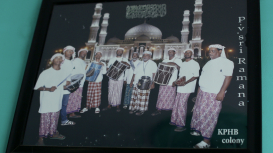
(139, 100)
(205, 113)
(74, 101)
(115, 92)
(48, 124)
(179, 112)
(128, 94)
(93, 95)
(166, 97)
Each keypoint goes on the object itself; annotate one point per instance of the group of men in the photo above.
(214, 80)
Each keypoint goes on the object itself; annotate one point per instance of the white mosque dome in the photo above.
(144, 29)
(112, 41)
(173, 39)
(143, 38)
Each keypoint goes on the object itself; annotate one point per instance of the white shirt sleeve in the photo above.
(178, 62)
(104, 68)
(228, 68)
(195, 69)
(154, 68)
(40, 82)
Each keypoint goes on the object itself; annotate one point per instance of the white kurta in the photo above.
(67, 67)
(214, 73)
(175, 73)
(102, 71)
(188, 69)
(79, 68)
(112, 60)
(130, 72)
(145, 69)
(51, 101)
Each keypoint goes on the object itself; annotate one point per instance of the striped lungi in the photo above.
(115, 92)
(179, 112)
(205, 113)
(48, 124)
(139, 100)
(166, 97)
(93, 95)
(74, 101)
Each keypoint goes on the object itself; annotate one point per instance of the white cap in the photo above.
(98, 52)
(223, 54)
(56, 55)
(120, 49)
(81, 51)
(171, 49)
(70, 48)
(147, 52)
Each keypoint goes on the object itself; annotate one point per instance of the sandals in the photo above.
(179, 129)
(75, 116)
(68, 123)
(201, 145)
(97, 110)
(194, 133)
(125, 107)
(132, 112)
(156, 113)
(118, 109)
(84, 110)
(58, 137)
(140, 113)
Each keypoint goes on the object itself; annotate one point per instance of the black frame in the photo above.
(24, 101)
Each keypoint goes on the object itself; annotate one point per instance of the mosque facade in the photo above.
(145, 37)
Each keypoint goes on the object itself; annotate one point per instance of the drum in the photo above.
(93, 72)
(116, 70)
(75, 82)
(144, 83)
(164, 73)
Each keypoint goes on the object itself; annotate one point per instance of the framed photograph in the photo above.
(164, 75)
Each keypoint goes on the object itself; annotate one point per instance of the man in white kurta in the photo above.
(51, 84)
(115, 87)
(128, 77)
(140, 98)
(214, 80)
(75, 98)
(67, 67)
(190, 70)
(166, 95)
(94, 88)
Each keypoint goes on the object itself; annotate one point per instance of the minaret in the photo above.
(95, 24)
(103, 30)
(196, 41)
(185, 29)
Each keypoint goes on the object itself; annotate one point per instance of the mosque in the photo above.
(145, 37)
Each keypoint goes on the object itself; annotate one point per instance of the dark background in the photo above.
(220, 25)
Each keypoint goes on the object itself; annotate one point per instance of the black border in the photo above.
(253, 42)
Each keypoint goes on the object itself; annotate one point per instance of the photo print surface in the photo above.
(143, 74)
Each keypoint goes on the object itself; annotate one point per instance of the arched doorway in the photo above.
(196, 52)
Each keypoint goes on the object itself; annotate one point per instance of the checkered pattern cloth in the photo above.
(48, 124)
(93, 95)
(205, 113)
(139, 100)
(74, 101)
(166, 96)
(179, 112)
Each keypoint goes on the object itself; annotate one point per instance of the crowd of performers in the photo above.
(214, 80)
